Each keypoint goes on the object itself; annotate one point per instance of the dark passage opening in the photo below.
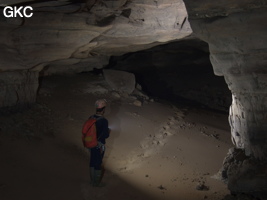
(180, 71)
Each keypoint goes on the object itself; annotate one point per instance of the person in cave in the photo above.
(97, 153)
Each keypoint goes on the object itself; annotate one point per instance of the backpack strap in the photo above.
(96, 118)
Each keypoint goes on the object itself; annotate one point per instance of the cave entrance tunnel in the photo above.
(180, 72)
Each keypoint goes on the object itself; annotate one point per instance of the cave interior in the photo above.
(209, 56)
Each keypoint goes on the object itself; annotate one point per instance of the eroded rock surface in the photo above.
(18, 88)
(59, 30)
(64, 37)
(239, 172)
(236, 33)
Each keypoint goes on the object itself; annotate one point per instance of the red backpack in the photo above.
(89, 136)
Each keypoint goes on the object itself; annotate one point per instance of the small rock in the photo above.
(162, 188)
(202, 187)
(133, 97)
(166, 127)
(138, 86)
(116, 95)
(125, 95)
(137, 103)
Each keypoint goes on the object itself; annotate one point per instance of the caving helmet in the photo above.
(100, 103)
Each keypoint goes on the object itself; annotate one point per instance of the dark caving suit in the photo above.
(97, 153)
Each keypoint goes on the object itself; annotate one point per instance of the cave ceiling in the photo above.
(64, 33)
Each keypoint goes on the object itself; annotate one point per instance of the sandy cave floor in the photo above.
(156, 151)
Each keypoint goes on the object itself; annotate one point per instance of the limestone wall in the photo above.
(18, 88)
(64, 37)
(237, 36)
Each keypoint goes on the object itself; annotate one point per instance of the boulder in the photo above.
(120, 81)
(137, 103)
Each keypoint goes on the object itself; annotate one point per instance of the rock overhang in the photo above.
(62, 30)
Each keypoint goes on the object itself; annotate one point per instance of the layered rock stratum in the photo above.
(66, 37)
(236, 33)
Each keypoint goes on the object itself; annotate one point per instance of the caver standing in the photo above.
(97, 152)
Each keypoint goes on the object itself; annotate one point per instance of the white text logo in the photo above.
(15, 11)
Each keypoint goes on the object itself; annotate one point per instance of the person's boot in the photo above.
(98, 177)
(92, 175)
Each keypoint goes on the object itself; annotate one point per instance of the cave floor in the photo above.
(155, 151)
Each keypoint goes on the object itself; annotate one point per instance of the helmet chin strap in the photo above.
(101, 113)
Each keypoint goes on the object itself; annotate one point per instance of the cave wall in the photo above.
(237, 35)
(70, 37)
(60, 31)
(18, 89)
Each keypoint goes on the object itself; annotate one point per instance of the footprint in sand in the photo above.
(153, 143)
